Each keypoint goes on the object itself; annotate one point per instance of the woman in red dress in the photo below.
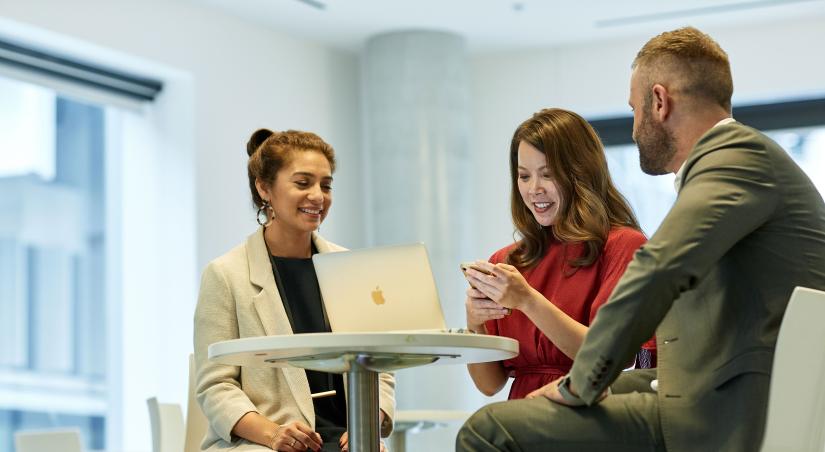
(577, 235)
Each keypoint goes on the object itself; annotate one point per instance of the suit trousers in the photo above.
(625, 421)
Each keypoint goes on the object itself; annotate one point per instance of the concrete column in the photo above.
(416, 110)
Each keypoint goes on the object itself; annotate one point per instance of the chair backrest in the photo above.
(796, 404)
(196, 423)
(167, 426)
(48, 440)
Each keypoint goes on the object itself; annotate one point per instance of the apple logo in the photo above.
(378, 296)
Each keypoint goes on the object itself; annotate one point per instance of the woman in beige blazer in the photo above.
(267, 286)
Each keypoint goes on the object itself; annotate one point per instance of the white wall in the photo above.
(769, 62)
(224, 78)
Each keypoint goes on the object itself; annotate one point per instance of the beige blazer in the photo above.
(239, 298)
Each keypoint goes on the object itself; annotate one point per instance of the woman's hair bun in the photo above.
(257, 138)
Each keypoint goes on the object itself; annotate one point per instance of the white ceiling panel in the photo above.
(497, 25)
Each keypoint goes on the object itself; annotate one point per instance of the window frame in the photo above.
(618, 130)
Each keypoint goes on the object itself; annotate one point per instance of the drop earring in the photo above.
(262, 216)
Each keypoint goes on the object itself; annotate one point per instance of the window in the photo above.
(806, 145)
(651, 197)
(97, 243)
(52, 268)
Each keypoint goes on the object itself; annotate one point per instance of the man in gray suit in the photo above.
(713, 281)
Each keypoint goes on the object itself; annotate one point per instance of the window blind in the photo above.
(66, 69)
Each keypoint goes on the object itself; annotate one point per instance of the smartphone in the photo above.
(467, 265)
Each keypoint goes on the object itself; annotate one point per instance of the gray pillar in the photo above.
(417, 176)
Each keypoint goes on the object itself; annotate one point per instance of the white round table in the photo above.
(362, 356)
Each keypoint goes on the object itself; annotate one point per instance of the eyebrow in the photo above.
(525, 169)
(306, 174)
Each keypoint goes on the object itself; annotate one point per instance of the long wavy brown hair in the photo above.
(590, 203)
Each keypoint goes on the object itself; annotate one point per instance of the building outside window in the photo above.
(52, 267)
(652, 196)
(97, 260)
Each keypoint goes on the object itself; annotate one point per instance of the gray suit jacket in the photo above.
(713, 282)
(239, 298)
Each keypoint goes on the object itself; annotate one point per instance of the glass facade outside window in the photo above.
(52, 269)
(652, 196)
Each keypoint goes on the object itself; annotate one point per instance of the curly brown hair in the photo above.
(591, 205)
(270, 151)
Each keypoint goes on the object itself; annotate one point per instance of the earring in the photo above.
(262, 216)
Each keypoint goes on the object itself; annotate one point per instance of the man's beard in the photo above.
(657, 146)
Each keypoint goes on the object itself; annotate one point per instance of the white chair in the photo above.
(48, 441)
(796, 404)
(167, 426)
(196, 423)
(169, 432)
(413, 421)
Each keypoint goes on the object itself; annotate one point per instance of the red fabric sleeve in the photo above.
(618, 252)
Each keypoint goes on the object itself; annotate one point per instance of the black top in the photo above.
(298, 286)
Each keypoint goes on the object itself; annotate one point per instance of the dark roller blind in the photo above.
(772, 116)
(72, 70)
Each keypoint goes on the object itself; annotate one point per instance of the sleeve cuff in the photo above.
(225, 421)
(564, 390)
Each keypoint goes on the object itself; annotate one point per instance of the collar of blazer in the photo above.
(270, 307)
(268, 301)
(707, 143)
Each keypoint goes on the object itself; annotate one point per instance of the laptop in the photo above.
(387, 288)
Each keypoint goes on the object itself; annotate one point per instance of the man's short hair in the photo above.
(696, 63)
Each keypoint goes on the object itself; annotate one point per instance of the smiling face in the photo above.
(536, 186)
(301, 194)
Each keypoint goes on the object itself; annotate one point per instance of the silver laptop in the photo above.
(379, 289)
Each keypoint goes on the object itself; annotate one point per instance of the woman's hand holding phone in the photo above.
(480, 308)
(501, 283)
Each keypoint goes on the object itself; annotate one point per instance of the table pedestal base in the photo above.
(362, 356)
(362, 409)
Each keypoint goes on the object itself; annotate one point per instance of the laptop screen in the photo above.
(379, 289)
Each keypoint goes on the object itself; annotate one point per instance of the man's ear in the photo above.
(662, 104)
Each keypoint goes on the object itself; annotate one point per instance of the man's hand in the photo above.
(551, 391)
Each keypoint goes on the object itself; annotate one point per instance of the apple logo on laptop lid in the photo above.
(378, 296)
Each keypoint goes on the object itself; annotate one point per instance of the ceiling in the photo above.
(498, 25)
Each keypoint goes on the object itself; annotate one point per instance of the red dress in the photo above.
(579, 295)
